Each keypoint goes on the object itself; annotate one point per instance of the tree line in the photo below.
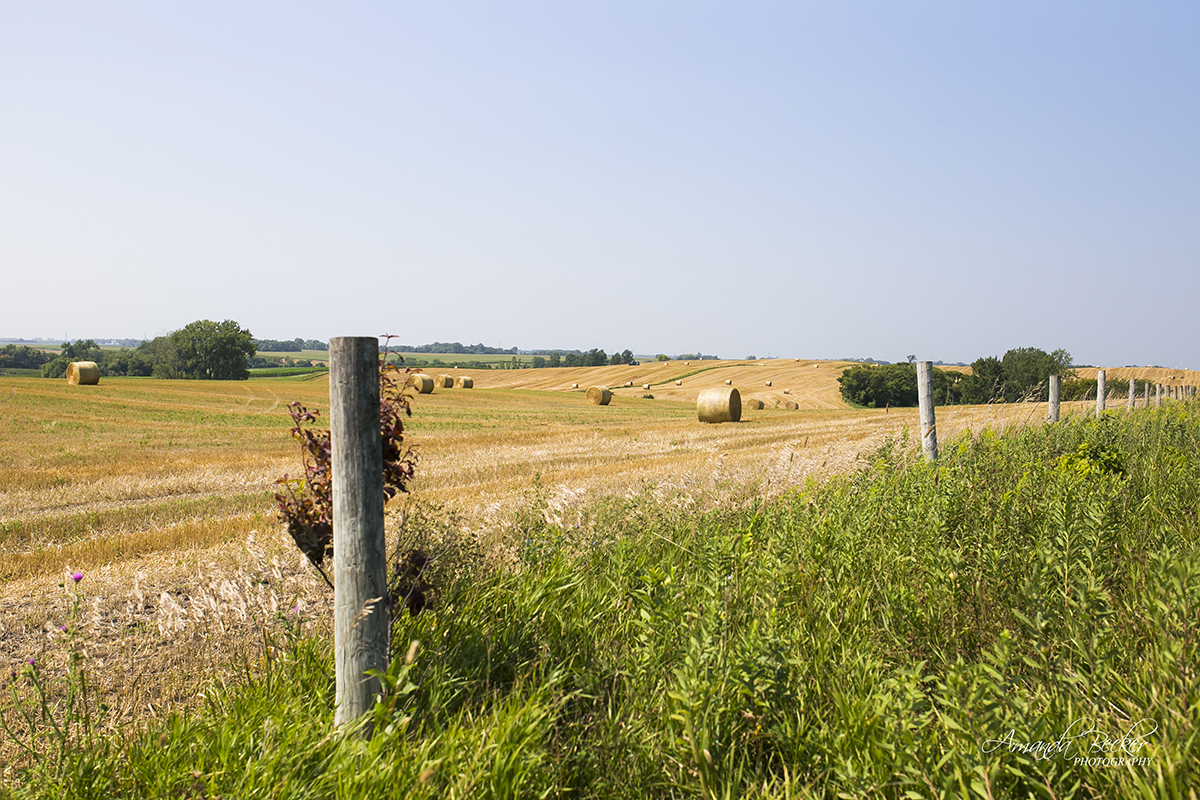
(1023, 373)
(201, 350)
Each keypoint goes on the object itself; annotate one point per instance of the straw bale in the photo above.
(753, 403)
(83, 373)
(629, 383)
(463, 382)
(787, 391)
(422, 382)
(599, 396)
(645, 386)
(719, 405)
(443, 382)
(768, 383)
(574, 385)
(679, 383)
(791, 405)
(728, 382)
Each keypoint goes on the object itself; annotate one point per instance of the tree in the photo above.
(555, 360)
(20, 356)
(79, 350)
(539, 362)
(215, 351)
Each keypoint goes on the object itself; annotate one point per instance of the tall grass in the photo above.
(987, 626)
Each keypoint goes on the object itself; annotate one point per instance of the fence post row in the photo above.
(925, 401)
(1055, 397)
(360, 608)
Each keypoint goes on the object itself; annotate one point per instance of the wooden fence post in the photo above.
(1146, 389)
(1099, 392)
(1055, 395)
(360, 603)
(1157, 395)
(1132, 394)
(925, 402)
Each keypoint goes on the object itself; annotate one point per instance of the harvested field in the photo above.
(160, 492)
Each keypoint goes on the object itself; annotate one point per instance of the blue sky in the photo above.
(876, 179)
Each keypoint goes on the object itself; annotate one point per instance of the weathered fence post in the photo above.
(925, 402)
(360, 608)
(1055, 395)
(1157, 395)
(1099, 392)
(1146, 390)
(1132, 394)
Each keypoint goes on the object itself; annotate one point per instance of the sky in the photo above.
(813, 180)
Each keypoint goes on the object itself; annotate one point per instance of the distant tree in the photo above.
(752, 358)
(539, 362)
(21, 356)
(615, 359)
(662, 357)
(555, 360)
(626, 356)
(213, 350)
(79, 350)
(596, 357)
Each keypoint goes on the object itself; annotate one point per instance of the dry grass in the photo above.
(160, 492)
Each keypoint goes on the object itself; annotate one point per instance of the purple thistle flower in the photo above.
(77, 577)
(31, 662)
(63, 628)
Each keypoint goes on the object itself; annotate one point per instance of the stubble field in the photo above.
(160, 492)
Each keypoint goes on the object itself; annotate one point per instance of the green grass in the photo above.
(899, 632)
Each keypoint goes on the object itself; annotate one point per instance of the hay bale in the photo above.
(421, 382)
(463, 382)
(719, 405)
(599, 396)
(629, 383)
(645, 386)
(768, 383)
(443, 382)
(791, 405)
(574, 385)
(687, 363)
(728, 382)
(83, 373)
(754, 403)
(787, 391)
(679, 383)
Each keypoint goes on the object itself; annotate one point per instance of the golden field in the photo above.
(160, 492)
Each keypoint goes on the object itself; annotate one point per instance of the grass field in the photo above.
(160, 493)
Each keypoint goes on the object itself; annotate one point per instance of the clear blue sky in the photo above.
(877, 179)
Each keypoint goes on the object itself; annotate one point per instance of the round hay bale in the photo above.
(768, 383)
(645, 386)
(599, 396)
(574, 385)
(719, 405)
(787, 391)
(791, 405)
(687, 363)
(629, 383)
(83, 373)
(444, 382)
(421, 382)
(679, 383)
(753, 403)
(728, 382)
(463, 382)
